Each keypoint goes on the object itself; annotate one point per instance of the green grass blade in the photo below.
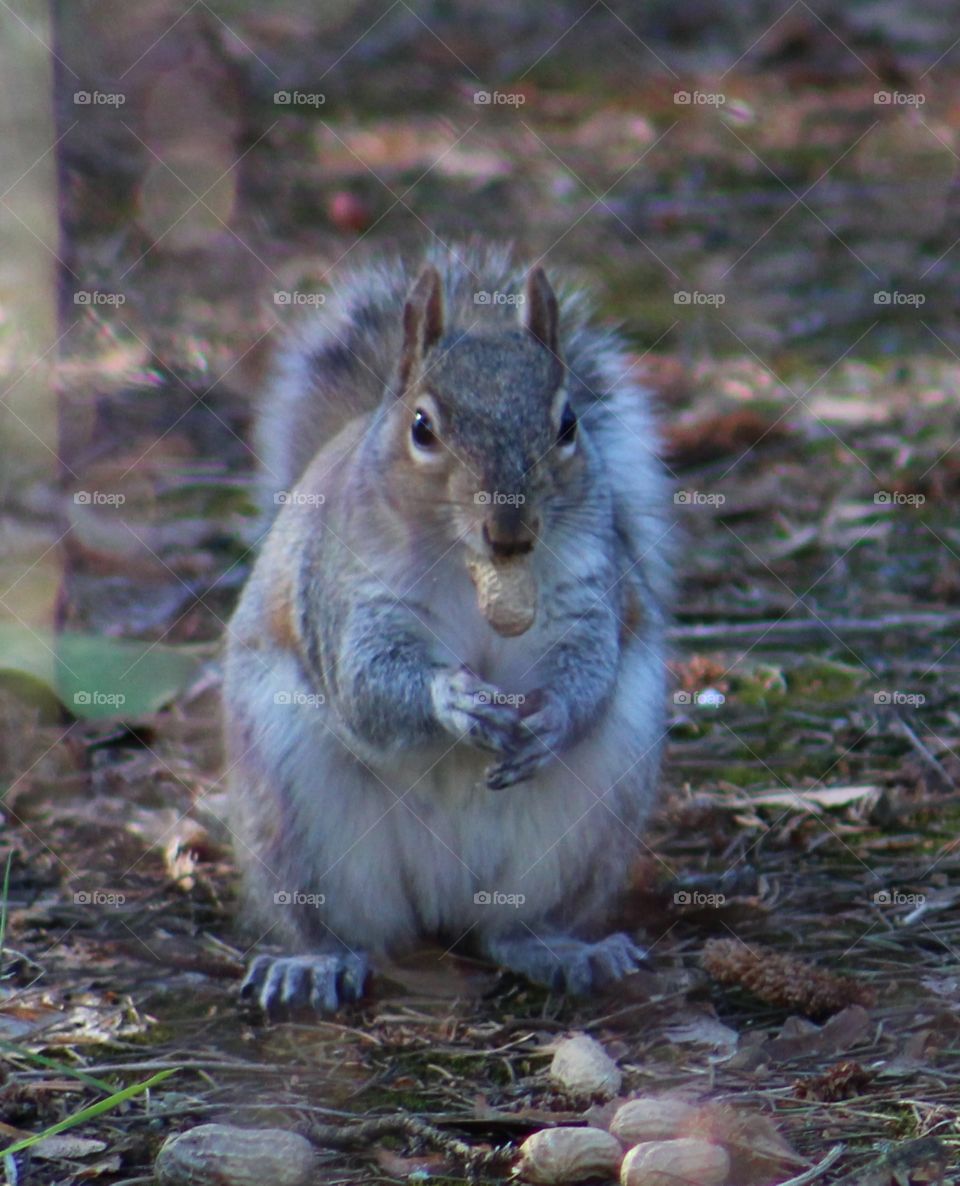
(85, 1114)
(53, 1065)
(3, 908)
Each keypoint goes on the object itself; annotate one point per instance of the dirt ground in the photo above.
(765, 198)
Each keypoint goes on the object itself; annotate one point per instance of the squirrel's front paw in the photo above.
(542, 732)
(283, 985)
(475, 711)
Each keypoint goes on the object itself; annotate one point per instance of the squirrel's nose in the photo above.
(507, 533)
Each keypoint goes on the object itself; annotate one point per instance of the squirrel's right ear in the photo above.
(422, 322)
(542, 312)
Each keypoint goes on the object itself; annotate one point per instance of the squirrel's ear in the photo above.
(542, 314)
(422, 321)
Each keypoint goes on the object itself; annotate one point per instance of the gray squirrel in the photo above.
(444, 679)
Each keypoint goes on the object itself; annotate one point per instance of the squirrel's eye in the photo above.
(422, 430)
(567, 432)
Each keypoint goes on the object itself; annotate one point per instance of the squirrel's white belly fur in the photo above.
(400, 849)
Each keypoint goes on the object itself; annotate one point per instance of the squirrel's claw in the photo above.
(283, 985)
(535, 745)
(474, 710)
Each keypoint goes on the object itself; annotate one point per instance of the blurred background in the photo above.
(763, 195)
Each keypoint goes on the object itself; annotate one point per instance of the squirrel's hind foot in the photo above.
(569, 965)
(283, 985)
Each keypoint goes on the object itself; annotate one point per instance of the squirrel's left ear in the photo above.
(542, 314)
(422, 322)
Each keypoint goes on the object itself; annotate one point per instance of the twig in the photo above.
(898, 1162)
(364, 1134)
(815, 1171)
(928, 758)
(790, 627)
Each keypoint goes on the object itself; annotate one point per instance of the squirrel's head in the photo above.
(483, 438)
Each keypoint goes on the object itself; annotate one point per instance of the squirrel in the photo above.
(444, 679)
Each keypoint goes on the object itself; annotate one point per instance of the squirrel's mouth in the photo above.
(507, 548)
(506, 590)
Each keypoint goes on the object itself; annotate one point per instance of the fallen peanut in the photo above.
(649, 1118)
(582, 1067)
(557, 1155)
(222, 1155)
(683, 1162)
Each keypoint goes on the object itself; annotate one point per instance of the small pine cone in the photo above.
(839, 1082)
(783, 980)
